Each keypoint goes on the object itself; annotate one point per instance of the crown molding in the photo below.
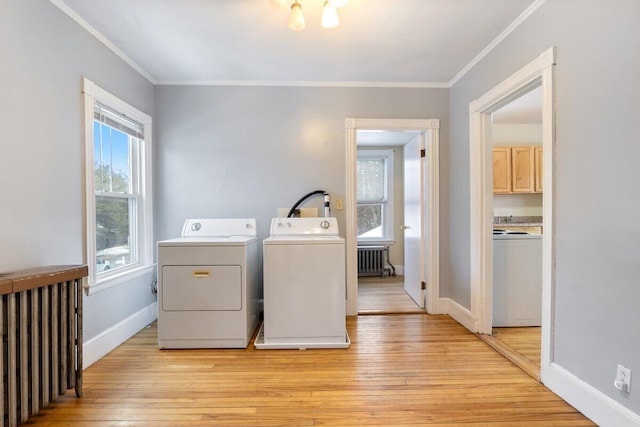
(515, 24)
(419, 85)
(60, 4)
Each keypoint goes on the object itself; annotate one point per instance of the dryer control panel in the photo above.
(304, 226)
(217, 227)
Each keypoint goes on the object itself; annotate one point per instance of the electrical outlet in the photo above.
(623, 379)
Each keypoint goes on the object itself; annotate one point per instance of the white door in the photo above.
(413, 226)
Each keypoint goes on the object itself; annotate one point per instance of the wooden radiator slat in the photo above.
(24, 357)
(41, 327)
(35, 350)
(55, 349)
(62, 386)
(78, 341)
(46, 350)
(71, 335)
(12, 348)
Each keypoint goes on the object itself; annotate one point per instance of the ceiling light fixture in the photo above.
(296, 19)
(329, 16)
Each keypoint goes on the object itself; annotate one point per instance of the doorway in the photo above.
(384, 159)
(428, 256)
(517, 206)
(537, 73)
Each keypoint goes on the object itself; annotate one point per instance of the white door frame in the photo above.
(431, 129)
(538, 72)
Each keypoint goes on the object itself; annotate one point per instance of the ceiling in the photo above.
(376, 138)
(526, 109)
(404, 43)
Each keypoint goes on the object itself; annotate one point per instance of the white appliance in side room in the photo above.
(304, 285)
(209, 285)
(517, 279)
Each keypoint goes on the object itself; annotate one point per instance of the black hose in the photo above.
(302, 199)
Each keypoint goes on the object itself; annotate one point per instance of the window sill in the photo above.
(102, 284)
(376, 242)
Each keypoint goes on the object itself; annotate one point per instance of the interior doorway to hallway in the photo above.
(421, 261)
(383, 159)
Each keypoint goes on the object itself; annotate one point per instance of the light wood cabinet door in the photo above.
(538, 169)
(522, 167)
(502, 170)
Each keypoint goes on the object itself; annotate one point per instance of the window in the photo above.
(118, 188)
(375, 195)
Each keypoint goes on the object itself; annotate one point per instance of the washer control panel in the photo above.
(217, 227)
(304, 226)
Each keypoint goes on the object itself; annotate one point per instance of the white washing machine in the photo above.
(304, 285)
(209, 285)
(517, 279)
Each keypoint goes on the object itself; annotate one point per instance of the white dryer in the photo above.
(209, 285)
(304, 285)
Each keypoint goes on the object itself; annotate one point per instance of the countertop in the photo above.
(517, 221)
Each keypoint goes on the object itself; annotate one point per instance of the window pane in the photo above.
(370, 221)
(371, 180)
(112, 233)
(111, 159)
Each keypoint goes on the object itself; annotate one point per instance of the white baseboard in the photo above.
(594, 404)
(458, 313)
(101, 345)
(597, 406)
(399, 270)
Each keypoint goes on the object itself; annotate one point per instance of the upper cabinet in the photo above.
(522, 170)
(538, 169)
(501, 170)
(517, 170)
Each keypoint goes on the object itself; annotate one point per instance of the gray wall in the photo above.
(44, 57)
(597, 322)
(246, 151)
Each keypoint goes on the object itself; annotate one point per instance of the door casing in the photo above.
(431, 129)
(539, 72)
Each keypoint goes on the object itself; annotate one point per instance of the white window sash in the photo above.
(387, 204)
(141, 218)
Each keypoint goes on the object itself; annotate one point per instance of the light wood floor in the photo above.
(400, 370)
(525, 341)
(381, 295)
(519, 345)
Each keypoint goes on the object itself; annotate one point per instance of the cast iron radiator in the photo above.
(41, 324)
(373, 260)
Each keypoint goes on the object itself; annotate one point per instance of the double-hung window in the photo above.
(118, 188)
(375, 195)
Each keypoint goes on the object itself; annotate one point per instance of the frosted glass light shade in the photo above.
(329, 16)
(296, 21)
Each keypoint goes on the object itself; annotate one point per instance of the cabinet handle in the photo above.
(201, 273)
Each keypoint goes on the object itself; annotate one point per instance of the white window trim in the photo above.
(389, 206)
(92, 94)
